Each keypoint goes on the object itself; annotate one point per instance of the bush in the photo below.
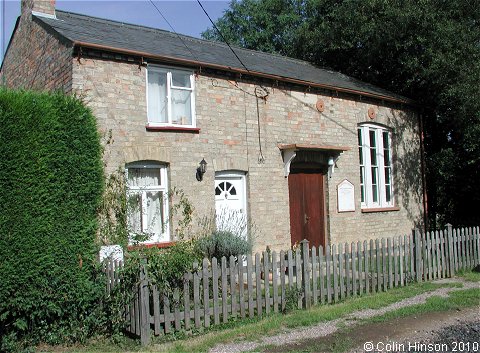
(166, 267)
(223, 243)
(51, 177)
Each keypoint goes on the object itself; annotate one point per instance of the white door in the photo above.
(230, 202)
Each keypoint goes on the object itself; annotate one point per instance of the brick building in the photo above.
(304, 152)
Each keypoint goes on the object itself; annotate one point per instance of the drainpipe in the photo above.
(423, 172)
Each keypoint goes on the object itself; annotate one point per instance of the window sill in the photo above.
(381, 209)
(167, 244)
(193, 130)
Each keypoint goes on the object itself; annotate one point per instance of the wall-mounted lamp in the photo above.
(201, 169)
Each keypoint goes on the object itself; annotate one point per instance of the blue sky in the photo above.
(185, 16)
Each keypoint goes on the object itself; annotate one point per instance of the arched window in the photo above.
(147, 209)
(376, 174)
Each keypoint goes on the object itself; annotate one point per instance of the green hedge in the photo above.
(51, 184)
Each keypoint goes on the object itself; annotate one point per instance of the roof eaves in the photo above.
(189, 62)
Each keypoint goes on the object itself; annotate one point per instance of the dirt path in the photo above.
(403, 334)
(295, 339)
(409, 332)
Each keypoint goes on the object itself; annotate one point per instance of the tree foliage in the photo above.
(51, 177)
(427, 50)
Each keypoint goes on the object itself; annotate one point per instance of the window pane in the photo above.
(134, 211)
(387, 175)
(362, 167)
(143, 177)
(181, 107)
(386, 149)
(181, 79)
(386, 140)
(373, 156)
(154, 213)
(374, 184)
(362, 182)
(386, 157)
(388, 195)
(373, 141)
(157, 97)
(360, 146)
(375, 193)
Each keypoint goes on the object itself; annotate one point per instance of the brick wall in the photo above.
(229, 140)
(36, 59)
(43, 6)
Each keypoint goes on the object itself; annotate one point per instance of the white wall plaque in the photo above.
(113, 252)
(346, 196)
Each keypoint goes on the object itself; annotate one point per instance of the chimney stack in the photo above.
(44, 8)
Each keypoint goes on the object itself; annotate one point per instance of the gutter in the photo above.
(243, 72)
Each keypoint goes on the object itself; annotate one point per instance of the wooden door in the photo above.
(307, 208)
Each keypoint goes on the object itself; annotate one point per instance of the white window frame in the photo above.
(365, 148)
(143, 190)
(168, 71)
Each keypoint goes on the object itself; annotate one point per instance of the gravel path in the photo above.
(327, 328)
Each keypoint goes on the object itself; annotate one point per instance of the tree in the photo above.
(427, 50)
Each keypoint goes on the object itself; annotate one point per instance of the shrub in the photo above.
(292, 295)
(223, 243)
(165, 268)
(51, 177)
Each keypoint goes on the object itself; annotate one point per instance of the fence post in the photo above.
(418, 254)
(451, 268)
(306, 273)
(144, 307)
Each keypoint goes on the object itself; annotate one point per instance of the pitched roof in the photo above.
(155, 43)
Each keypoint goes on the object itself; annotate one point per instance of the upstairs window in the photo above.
(147, 201)
(376, 176)
(170, 97)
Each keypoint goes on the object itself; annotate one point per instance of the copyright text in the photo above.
(412, 347)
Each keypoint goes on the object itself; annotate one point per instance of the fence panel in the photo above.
(348, 274)
(275, 272)
(314, 275)
(335, 273)
(321, 274)
(341, 271)
(227, 288)
(283, 286)
(258, 285)
(328, 271)
(354, 269)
